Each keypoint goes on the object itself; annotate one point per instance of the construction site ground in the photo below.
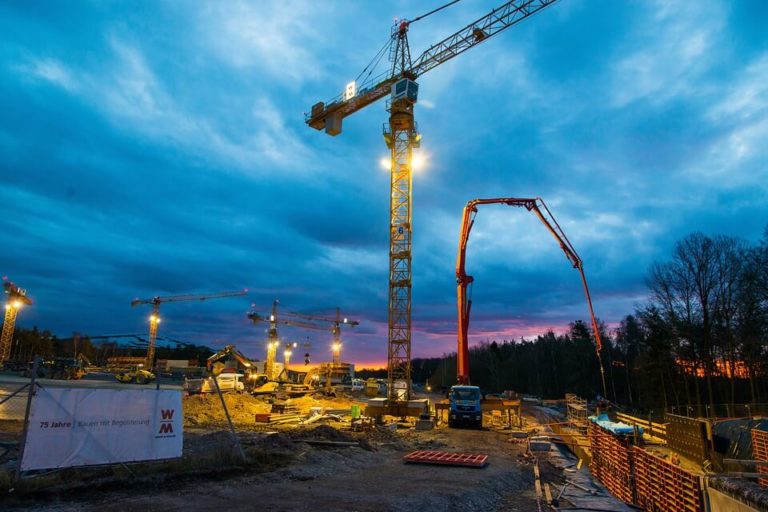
(286, 470)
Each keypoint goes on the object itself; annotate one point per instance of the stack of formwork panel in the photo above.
(612, 461)
(688, 436)
(760, 452)
(661, 486)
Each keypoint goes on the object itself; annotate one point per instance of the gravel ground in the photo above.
(372, 477)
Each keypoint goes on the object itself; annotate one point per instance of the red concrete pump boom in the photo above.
(539, 208)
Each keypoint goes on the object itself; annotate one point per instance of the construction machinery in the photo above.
(255, 381)
(135, 375)
(464, 281)
(154, 318)
(402, 137)
(17, 298)
(62, 368)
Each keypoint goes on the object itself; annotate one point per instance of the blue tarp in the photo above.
(617, 428)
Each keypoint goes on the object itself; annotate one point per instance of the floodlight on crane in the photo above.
(17, 299)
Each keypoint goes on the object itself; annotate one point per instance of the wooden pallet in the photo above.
(447, 458)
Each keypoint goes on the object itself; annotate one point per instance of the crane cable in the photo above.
(371, 66)
(374, 61)
(433, 11)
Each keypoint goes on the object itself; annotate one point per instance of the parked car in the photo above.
(228, 382)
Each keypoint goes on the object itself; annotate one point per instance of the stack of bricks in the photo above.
(612, 461)
(662, 486)
(760, 452)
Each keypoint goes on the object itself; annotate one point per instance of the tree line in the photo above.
(697, 342)
(30, 343)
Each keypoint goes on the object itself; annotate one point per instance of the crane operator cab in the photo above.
(405, 88)
(465, 406)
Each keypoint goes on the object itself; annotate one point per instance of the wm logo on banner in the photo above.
(166, 425)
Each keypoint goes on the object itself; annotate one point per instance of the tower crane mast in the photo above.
(17, 298)
(154, 318)
(463, 281)
(401, 137)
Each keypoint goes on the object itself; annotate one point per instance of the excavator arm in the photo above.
(542, 212)
(229, 350)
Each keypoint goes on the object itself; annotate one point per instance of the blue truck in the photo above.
(465, 406)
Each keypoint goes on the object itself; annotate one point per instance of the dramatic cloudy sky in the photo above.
(159, 148)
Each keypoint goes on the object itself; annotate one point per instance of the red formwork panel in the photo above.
(447, 458)
(661, 486)
(612, 462)
(760, 452)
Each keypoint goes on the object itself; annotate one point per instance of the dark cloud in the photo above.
(157, 150)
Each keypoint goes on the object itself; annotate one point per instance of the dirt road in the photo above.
(365, 479)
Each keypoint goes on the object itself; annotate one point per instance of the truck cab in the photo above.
(465, 406)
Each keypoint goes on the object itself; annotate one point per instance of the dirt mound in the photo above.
(202, 410)
(321, 433)
(305, 403)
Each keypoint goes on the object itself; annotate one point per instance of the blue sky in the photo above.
(159, 148)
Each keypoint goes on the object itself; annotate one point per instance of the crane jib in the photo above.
(329, 116)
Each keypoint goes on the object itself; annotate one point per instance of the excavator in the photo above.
(255, 382)
(538, 208)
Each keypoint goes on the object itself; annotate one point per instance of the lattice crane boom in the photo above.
(464, 304)
(328, 115)
(336, 323)
(154, 318)
(401, 137)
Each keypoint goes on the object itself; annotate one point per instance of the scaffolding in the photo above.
(577, 413)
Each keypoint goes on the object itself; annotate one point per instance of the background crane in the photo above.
(463, 281)
(272, 339)
(302, 321)
(401, 136)
(154, 318)
(17, 298)
(336, 324)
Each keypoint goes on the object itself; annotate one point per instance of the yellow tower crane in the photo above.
(401, 137)
(154, 318)
(272, 339)
(302, 321)
(336, 324)
(17, 298)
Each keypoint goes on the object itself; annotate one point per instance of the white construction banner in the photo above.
(80, 427)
